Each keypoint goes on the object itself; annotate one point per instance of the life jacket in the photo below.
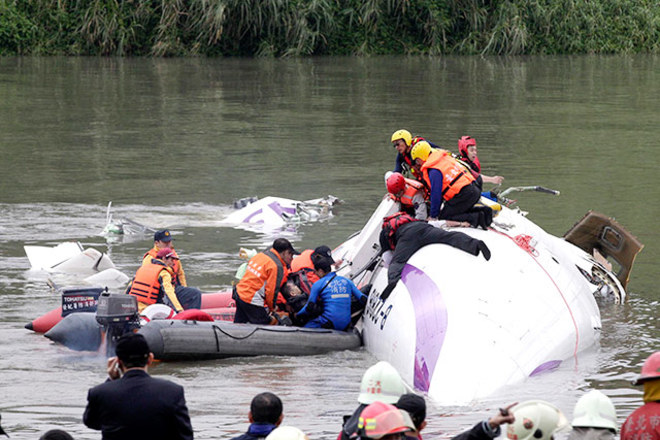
(176, 268)
(474, 167)
(252, 287)
(454, 176)
(412, 188)
(146, 284)
(394, 222)
(302, 271)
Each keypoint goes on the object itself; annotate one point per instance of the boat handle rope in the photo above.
(217, 329)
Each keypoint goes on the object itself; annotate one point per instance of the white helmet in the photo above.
(381, 383)
(594, 410)
(535, 420)
(286, 433)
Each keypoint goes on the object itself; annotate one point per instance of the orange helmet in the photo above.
(380, 419)
(396, 183)
(650, 369)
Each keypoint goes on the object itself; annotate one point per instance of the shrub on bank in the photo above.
(283, 28)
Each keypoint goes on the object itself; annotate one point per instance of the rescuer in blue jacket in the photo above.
(329, 304)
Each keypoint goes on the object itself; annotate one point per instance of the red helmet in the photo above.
(463, 144)
(650, 369)
(380, 419)
(396, 183)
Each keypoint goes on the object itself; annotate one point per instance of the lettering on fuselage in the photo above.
(376, 311)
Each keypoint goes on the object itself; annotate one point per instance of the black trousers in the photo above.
(249, 312)
(411, 237)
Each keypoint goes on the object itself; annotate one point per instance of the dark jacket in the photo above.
(139, 407)
(256, 431)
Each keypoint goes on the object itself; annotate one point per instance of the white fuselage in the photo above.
(459, 327)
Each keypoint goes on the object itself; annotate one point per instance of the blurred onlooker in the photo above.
(265, 415)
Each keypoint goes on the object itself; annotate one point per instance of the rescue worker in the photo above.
(403, 141)
(152, 283)
(380, 383)
(535, 420)
(467, 151)
(382, 421)
(329, 304)
(189, 297)
(452, 183)
(256, 293)
(643, 423)
(409, 193)
(415, 406)
(405, 235)
(594, 418)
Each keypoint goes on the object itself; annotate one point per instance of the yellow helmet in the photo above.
(402, 134)
(421, 150)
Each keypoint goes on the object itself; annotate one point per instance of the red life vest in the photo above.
(146, 284)
(394, 222)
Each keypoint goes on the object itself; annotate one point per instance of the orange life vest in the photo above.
(176, 268)
(394, 222)
(412, 187)
(146, 284)
(454, 176)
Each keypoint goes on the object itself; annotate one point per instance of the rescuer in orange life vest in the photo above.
(450, 182)
(152, 283)
(266, 273)
(189, 297)
(409, 193)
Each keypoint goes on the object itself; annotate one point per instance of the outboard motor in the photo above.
(80, 299)
(117, 314)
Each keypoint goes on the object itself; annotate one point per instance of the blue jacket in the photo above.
(333, 292)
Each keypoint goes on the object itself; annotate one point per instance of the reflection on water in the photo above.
(173, 142)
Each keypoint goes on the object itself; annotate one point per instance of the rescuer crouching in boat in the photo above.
(257, 291)
(329, 304)
(152, 283)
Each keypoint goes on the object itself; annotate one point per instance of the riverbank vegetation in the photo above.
(327, 27)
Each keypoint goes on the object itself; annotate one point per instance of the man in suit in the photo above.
(133, 405)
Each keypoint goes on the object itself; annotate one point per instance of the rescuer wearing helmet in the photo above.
(644, 422)
(383, 421)
(409, 193)
(535, 420)
(380, 383)
(403, 141)
(467, 151)
(450, 182)
(594, 418)
(152, 283)
(405, 235)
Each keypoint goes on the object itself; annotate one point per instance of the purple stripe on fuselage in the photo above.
(546, 366)
(431, 321)
(279, 209)
(249, 217)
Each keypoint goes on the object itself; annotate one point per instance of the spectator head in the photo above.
(56, 434)
(132, 350)
(415, 406)
(266, 408)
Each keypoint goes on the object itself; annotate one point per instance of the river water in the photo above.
(172, 142)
